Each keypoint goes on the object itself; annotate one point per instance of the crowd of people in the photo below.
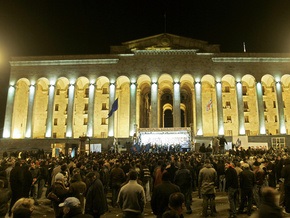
(165, 180)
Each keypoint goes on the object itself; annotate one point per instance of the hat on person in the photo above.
(70, 202)
(59, 176)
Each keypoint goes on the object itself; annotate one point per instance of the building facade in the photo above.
(160, 81)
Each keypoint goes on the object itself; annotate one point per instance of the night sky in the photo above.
(67, 27)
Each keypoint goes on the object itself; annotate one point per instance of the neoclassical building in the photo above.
(162, 81)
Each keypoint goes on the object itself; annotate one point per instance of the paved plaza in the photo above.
(45, 210)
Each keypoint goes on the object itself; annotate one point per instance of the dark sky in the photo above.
(60, 27)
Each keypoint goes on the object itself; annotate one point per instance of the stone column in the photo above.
(280, 109)
(9, 111)
(111, 101)
(51, 90)
(28, 133)
(70, 110)
(198, 108)
(133, 96)
(240, 105)
(176, 105)
(261, 108)
(90, 126)
(154, 105)
(219, 97)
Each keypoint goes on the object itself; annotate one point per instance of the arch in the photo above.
(250, 80)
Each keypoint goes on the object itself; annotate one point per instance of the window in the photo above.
(229, 119)
(103, 135)
(246, 119)
(104, 121)
(263, 90)
(56, 107)
(285, 117)
(246, 106)
(104, 106)
(67, 93)
(274, 104)
(86, 107)
(55, 121)
(105, 91)
(248, 132)
(65, 122)
(265, 106)
(87, 91)
(229, 133)
(276, 119)
(227, 89)
(244, 90)
(266, 118)
(228, 104)
(85, 121)
(65, 112)
(58, 92)
(54, 135)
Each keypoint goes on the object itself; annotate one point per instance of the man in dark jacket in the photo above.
(96, 202)
(286, 175)
(231, 187)
(117, 177)
(161, 193)
(247, 182)
(183, 179)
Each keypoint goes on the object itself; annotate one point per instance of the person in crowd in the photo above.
(104, 176)
(78, 189)
(96, 202)
(5, 196)
(72, 208)
(61, 191)
(247, 182)
(145, 177)
(202, 150)
(131, 198)
(269, 207)
(117, 177)
(232, 188)
(184, 181)
(215, 143)
(158, 171)
(260, 178)
(172, 170)
(161, 194)
(16, 185)
(34, 170)
(23, 208)
(286, 176)
(222, 143)
(206, 183)
(238, 170)
(220, 168)
(27, 180)
(43, 175)
(176, 201)
(208, 151)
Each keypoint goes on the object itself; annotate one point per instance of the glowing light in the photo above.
(16, 134)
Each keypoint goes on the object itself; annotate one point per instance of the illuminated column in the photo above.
(219, 97)
(176, 104)
(8, 113)
(28, 133)
(280, 108)
(70, 110)
(240, 106)
(198, 108)
(48, 132)
(111, 101)
(133, 93)
(261, 108)
(154, 104)
(90, 127)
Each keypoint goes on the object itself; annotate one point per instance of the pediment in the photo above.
(165, 41)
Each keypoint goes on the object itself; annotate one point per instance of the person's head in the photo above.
(133, 175)
(165, 176)
(23, 208)
(59, 177)
(176, 201)
(71, 204)
(170, 214)
(269, 195)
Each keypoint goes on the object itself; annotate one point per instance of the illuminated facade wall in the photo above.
(160, 81)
